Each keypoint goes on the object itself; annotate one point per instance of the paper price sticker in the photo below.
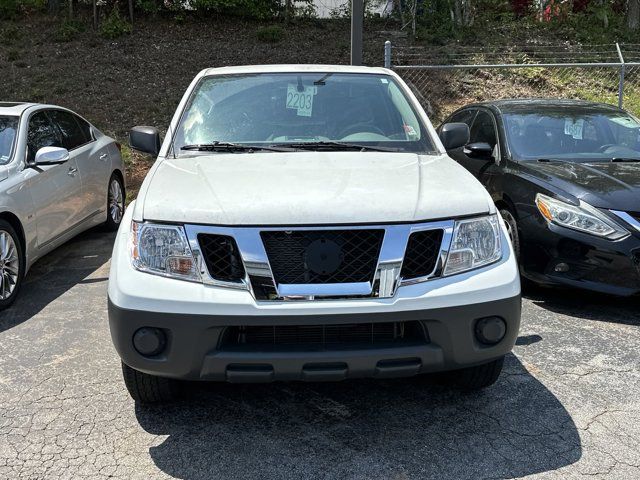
(574, 128)
(301, 101)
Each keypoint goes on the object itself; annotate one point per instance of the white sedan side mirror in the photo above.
(51, 156)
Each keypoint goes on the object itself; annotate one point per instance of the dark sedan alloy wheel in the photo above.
(512, 229)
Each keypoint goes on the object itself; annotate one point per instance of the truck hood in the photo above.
(611, 185)
(310, 188)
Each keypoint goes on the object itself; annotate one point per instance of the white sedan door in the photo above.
(92, 159)
(55, 189)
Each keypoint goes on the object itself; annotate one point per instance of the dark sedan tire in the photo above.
(512, 228)
(145, 388)
(12, 264)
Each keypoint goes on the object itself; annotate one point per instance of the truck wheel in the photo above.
(145, 388)
(115, 203)
(476, 378)
(11, 264)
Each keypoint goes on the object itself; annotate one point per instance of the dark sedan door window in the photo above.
(41, 133)
(464, 116)
(483, 129)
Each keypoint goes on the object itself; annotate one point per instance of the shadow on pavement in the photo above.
(364, 429)
(57, 272)
(586, 304)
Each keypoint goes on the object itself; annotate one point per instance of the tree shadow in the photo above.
(57, 272)
(585, 304)
(401, 429)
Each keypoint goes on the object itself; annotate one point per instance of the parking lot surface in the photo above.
(567, 405)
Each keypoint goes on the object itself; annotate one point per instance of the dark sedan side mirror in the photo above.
(454, 135)
(145, 140)
(480, 150)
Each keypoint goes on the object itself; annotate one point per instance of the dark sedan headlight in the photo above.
(583, 218)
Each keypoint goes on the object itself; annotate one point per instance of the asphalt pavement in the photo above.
(567, 405)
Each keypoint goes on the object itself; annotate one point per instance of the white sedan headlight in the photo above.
(162, 250)
(583, 218)
(475, 243)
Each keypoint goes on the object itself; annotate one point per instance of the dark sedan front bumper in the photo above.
(555, 255)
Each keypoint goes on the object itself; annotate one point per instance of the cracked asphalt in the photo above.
(567, 405)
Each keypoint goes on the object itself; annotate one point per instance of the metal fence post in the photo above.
(387, 54)
(621, 82)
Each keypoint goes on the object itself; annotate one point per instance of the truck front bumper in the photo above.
(195, 349)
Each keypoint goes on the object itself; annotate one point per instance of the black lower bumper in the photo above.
(559, 256)
(195, 350)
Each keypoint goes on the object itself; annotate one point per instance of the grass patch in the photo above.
(270, 34)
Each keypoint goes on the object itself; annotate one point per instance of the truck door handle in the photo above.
(72, 171)
(104, 156)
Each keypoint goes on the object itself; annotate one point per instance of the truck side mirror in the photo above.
(145, 140)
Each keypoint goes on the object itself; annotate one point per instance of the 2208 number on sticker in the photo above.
(301, 101)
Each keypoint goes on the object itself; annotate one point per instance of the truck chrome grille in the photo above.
(326, 335)
(323, 256)
(422, 254)
(222, 257)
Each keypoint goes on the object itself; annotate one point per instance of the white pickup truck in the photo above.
(305, 223)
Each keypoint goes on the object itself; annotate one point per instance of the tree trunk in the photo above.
(131, 11)
(462, 13)
(70, 9)
(53, 7)
(633, 14)
(95, 14)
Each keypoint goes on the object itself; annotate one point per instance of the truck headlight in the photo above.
(162, 250)
(583, 218)
(475, 243)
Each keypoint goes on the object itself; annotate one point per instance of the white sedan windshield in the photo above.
(8, 127)
(294, 108)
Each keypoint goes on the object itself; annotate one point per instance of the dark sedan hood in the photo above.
(611, 185)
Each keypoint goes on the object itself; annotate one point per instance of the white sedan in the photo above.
(59, 176)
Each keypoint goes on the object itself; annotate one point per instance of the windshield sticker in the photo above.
(574, 128)
(302, 101)
(409, 130)
(625, 122)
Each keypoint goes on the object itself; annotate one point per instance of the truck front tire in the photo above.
(145, 388)
(478, 377)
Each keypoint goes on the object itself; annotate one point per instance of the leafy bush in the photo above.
(259, 9)
(10, 9)
(115, 26)
(69, 30)
(271, 34)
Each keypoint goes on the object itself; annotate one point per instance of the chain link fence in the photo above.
(446, 79)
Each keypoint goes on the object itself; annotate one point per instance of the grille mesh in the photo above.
(291, 255)
(342, 334)
(222, 257)
(422, 253)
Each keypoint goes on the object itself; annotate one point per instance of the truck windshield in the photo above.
(8, 128)
(301, 110)
(574, 134)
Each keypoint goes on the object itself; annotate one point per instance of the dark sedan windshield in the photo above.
(8, 128)
(578, 134)
(290, 109)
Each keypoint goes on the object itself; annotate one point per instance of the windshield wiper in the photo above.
(622, 160)
(233, 147)
(335, 146)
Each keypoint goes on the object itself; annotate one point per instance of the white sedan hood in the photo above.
(310, 188)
